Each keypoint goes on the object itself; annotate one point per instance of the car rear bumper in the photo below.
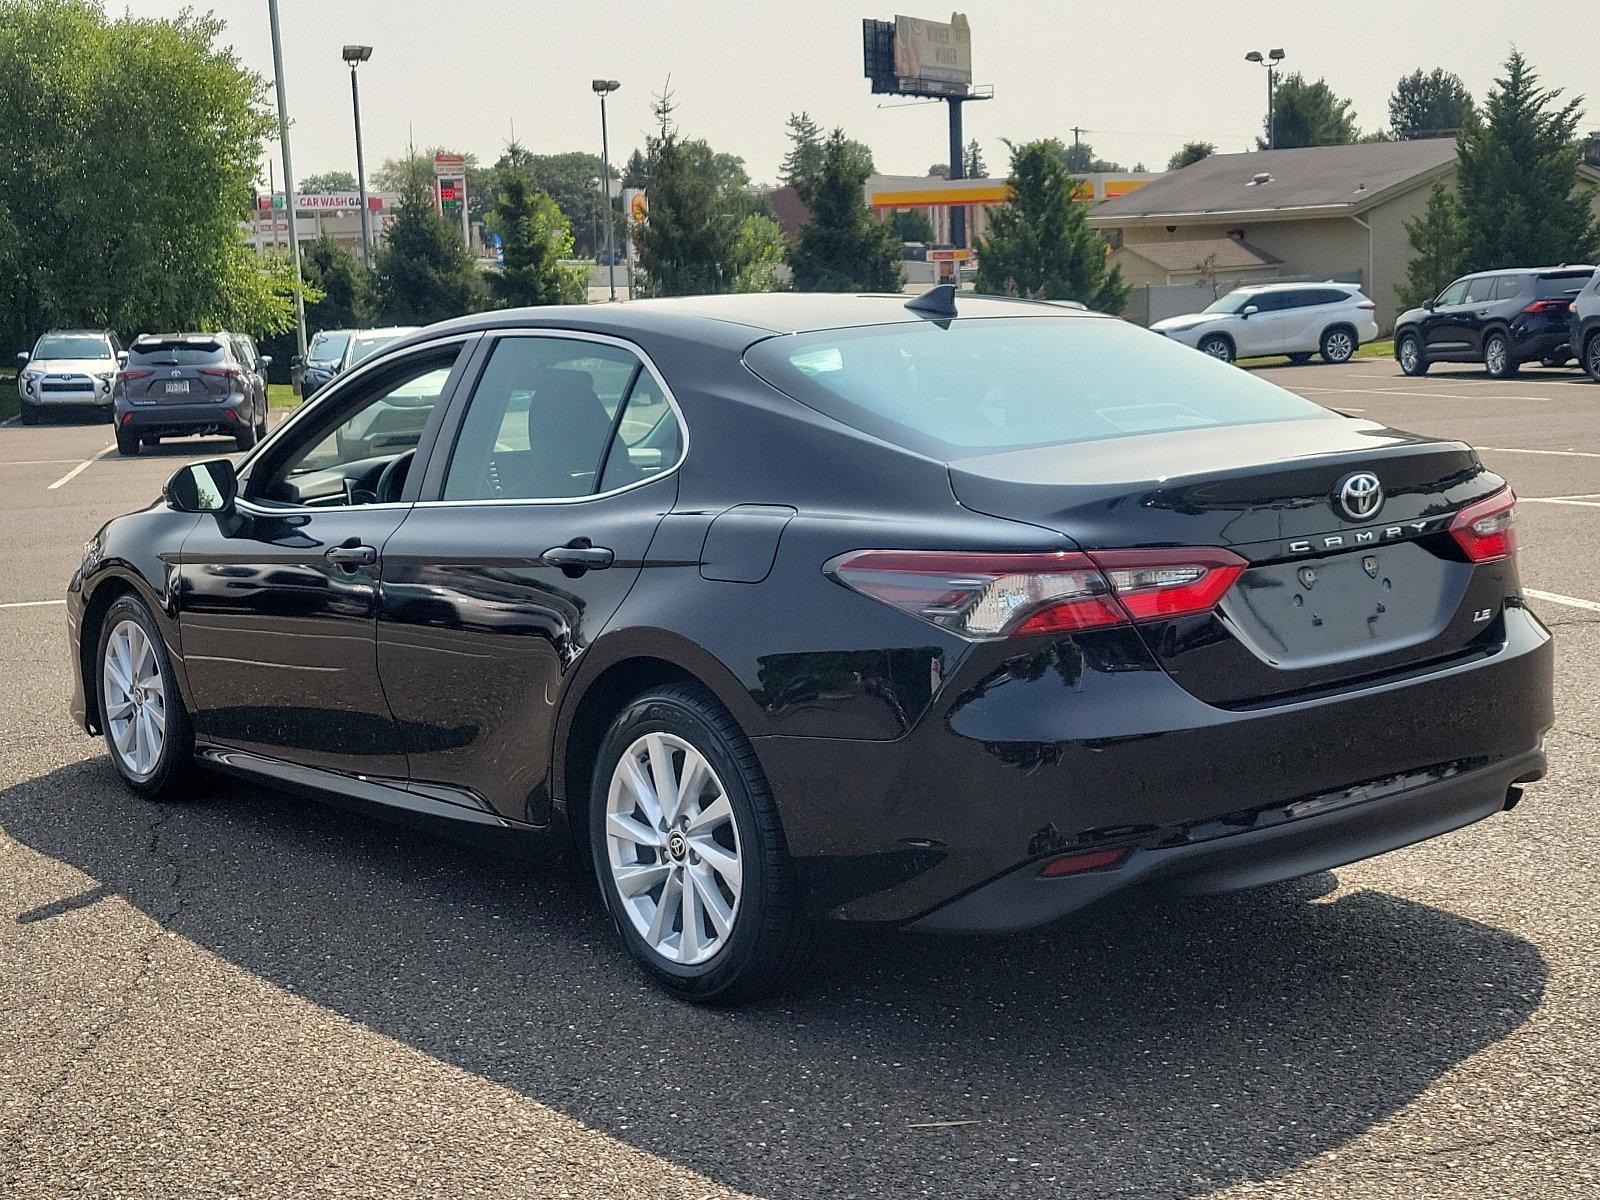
(1086, 745)
(215, 416)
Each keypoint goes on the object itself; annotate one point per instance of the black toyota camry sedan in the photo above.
(954, 614)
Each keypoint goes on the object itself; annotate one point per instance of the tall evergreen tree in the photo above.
(804, 158)
(346, 286)
(535, 236)
(843, 247)
(1429, 105)
(687, 243)
(1518, 178)
(1309, 114)
(424, 273)
(1439, 238)
(1040, 244)
(972, 161)
(1190, 152)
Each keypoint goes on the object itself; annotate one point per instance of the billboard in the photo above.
(933, 55)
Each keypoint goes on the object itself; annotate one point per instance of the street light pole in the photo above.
(288, 179)
(355, 56)
(603, 88)
(1270, 61)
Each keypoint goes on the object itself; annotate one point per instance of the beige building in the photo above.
(1322, 212)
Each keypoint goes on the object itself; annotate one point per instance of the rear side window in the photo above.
(1508, 287)
(990, 384)
(1562, 283)
(1328, 296)
(1479, 289)
(542, 418)
(176, 352)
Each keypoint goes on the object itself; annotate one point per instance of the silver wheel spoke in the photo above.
(689, 940)
(662, 921)
(620, 826)
(692, 781)
(117, 709)
(711, 899)
(123, 736)
(663, 776)
(632, 881)
(634, 780)
(712, 815)
(720, 860)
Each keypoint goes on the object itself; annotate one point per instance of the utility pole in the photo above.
(603, 88)
(355, 56)
(1270, 61)
(288, 179)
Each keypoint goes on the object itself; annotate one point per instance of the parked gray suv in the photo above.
(176, 384)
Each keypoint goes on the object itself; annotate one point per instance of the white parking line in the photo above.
(1557, 598)
(80, 468)
(1558, 500)
(30, 603)
(1558, 453)
(1429, 393)
(35, 462)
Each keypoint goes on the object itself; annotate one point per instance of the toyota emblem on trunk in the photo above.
(1361, 496)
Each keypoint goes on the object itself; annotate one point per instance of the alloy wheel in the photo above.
(1494, 355)
(1338, 346)
(673, 849)
(1408, 354)
(135, 699)
(1594, 357)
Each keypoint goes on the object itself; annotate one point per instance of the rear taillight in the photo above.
(1487, 529)
(1546, 306)
(1009, 595)
(124, 375)
(1367, 304)
(225, 372)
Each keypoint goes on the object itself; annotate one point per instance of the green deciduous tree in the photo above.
(536, 236)
(132, 147)
(572, 180)
(758, 253)
(1080, 158)
(1518, 182)
(1190, 152)
(1429, 105)
(1309, 114)
(326, 183)
(424, 273)
(1439, 239)
(1040, 244)
(912, 225)
(843, 247)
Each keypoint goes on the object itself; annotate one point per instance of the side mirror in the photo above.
(299, 360)
(122, 358)
(1430, 305)
(22, 358)
(265, 360)
(203, 487)
(1248, 311)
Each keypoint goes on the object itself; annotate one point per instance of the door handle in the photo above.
(578, 555)
(352, 556)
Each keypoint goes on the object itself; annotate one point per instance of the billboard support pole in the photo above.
(288, 181)
(958, 212)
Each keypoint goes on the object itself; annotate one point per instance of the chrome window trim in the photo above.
(570, 335)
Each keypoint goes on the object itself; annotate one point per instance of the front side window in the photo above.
(340, 455)
(1453, 293)
(327, 349)
(1003, 383)
(1231, 303)
(541, 423)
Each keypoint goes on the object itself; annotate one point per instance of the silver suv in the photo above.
(69, 367)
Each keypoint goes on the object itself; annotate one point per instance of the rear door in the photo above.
(536, 516)
(1301, 325)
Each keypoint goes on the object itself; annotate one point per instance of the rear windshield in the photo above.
(327, 347)
(1563, 283)
(72, 345)
(983, 385)
(175, 352)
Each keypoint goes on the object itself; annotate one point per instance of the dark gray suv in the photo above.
(1499, 318)
(175, 384)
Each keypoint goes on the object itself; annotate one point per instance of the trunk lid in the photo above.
(1327, 599)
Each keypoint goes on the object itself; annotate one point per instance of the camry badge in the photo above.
(1361, 495)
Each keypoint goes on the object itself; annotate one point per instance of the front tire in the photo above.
(146, 727)
(1217, 346)
(30, 413)
(1497, 360)
(1408, 353)
(1591, 356)
(1338, 345)
(690, 854)
(245, 439)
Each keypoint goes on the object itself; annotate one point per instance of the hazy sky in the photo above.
(1139, 78)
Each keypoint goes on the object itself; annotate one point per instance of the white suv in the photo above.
(69, 367)
(1297, 319)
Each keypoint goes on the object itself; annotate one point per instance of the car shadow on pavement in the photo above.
(1145, 1049)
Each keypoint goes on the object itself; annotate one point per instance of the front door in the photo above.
(1447, 329)
(527, 539)
(277, 613)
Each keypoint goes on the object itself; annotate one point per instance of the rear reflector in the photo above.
(1487, 529)
(1077, 864)
(1008, 595)
(228, 372)
(133, 373)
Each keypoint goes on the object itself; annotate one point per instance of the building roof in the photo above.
(1187, 254)
(1309, 181)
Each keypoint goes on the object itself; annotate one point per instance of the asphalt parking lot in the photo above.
(256, 996)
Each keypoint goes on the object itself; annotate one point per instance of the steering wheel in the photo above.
(393, 478)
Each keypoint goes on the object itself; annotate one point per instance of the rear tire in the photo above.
(30, 413)
(747, 934)
(127, 443)
(1408, 353)
(246, 438)
(1217, 346)
(1338, 344)
(147, 730)
(1497, 360)
(1300, 358)
(1591, 356)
